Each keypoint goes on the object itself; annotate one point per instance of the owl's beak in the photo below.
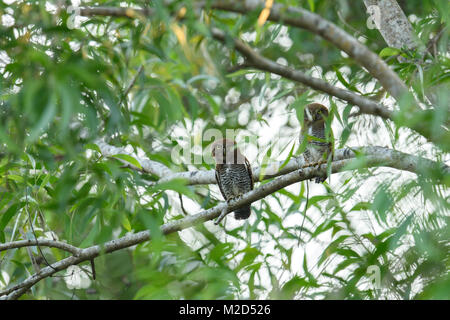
(308, 114)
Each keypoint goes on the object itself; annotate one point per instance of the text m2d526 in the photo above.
(246, 309)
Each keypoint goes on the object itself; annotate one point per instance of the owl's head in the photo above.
(226, 151)
(315, 112)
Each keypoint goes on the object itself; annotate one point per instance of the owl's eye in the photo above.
(319, 115)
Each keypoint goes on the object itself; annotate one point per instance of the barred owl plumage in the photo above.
(233, 173)
(318, 147)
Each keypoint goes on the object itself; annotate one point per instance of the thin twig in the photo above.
(130, 86)
(238, 67)
(181, 204)
(433, 41)
(41, 242)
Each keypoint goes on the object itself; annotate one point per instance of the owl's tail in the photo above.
(242, 213)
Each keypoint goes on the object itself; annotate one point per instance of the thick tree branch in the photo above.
(385, 156)
(392, 23)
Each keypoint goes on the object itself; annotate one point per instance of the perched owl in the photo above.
(233, 173)
(318, 147)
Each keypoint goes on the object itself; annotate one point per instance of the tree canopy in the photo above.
(108, 110)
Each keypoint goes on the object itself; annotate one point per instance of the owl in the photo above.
(233, 173)
(319, 148)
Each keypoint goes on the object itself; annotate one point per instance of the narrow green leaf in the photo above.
(128, 158)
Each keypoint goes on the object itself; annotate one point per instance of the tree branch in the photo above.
(385, 156)
(392, 23)
(41, 242)
(432, 43)
(133, 81)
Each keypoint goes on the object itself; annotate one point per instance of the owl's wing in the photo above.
(250, 173)
(219, 183)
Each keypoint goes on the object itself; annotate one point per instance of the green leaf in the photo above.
(388, 52)
(382, 203)
(128, 158)
(15, 177)
(299, 106)
(345, 82)
(45, 181)
(214, 106)
(178, 185)
(316, 199)
(311, 5)
(331, 249)
(344, 264)
(250, 254)
(361, 206)
(288, 157)
(43, 122)
(291, 287)
(312, 280)
(94, 147)
(6, 217)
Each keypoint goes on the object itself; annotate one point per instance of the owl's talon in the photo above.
(223, 214)
(318, 164)
(320, 179)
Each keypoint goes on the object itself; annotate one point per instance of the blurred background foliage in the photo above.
(153, 83)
